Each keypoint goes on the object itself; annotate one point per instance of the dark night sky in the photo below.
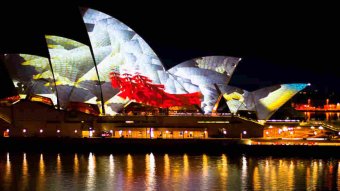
(278, 44)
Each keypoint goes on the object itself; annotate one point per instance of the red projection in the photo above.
(140, 89)
(9, 100)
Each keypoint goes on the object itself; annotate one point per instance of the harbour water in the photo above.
(155, 171)
(322, 116)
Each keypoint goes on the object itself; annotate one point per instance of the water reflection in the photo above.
(41, 178)
(129, 170)
(150, 171)
(58, 164)
(223, 170)
(244, 173)
(35, 171)
(111, 166)
(24, 172)
(76, 165)
(166, 167)
(205, 172)
(8, 171)
(322, 116)
(91, 177)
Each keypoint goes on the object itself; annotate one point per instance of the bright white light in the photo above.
(270, 127)
(41, 131)
(75, 131)
(120, 132)
(152, 134)
(58, 131)
(225, 132)
(244, 132)
(267, 132)
(309, 84)
(320, 127)
(111, 131)
(24, 130)
(7, 130)
(312, 127)
(129, 131)
(166, 131)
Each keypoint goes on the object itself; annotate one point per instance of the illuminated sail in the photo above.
(201, 74)
(71, 60)
(31, 75)
(269, 100)
(118, 48)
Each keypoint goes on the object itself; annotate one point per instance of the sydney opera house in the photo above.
(118, 87)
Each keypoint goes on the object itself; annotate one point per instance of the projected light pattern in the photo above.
(31, 75)
(268, 100)
(127, 70)
(264, 101)
(237, 99)
(202, 73)
(140, 89)
(70, 61)
(118, 48)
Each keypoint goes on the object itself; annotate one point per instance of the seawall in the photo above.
(233, 146)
